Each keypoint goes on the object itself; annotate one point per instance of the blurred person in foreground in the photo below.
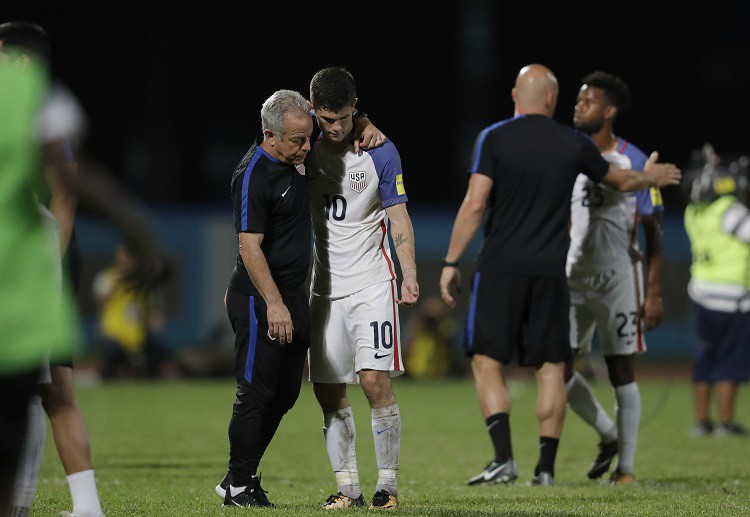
(717, 221)
(128, 322)
(39, 319)
(523, 169)
(61, 126)
(354, 297)
(605, 276)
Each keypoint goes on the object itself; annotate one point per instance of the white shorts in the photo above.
(609, 303)
(356, 332)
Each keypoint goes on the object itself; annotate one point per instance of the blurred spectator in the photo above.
(717, 221)
(128, 322)
(429, 345)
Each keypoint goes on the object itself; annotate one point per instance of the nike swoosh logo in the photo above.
(270, 337)
(491, 474)
(380, 356)
(287, 190)
(384, 430)
(233, 491)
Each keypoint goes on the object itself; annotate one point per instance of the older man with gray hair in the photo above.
(266, 299)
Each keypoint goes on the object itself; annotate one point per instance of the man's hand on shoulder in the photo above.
(366, 135)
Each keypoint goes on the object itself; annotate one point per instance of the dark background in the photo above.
(173, 93)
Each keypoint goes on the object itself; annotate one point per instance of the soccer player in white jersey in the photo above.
(605, 277)
(353, 296)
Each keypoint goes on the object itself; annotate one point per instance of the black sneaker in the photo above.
(607, 452)
(703, 429)
(543, 479)
(221, 488)
(730, 429)
(382, 500)
(336, 501)
(495, 473)
(250, 495)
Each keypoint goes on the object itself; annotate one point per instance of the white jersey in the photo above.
(61, 117)
(603, 220)
(348, 196)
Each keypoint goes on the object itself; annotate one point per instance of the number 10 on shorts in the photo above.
(382, 334)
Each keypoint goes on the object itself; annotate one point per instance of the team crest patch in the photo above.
(300, 168)
(358, 181)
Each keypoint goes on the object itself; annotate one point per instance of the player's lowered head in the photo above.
(333, 97)
(287, 126)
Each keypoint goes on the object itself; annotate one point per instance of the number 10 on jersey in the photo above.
(335, 207)
(382, 334)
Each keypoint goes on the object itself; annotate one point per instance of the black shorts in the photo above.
(519, 314)
(258, 358)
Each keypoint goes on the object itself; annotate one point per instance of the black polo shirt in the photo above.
(533, 162)
(270, 197)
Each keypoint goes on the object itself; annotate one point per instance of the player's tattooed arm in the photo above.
(403, 240)
(399, 239)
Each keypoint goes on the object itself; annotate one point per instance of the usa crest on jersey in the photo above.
(358, 181)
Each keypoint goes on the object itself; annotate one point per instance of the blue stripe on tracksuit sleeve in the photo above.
(246, 186)
(253, 341)
(477, 154)
(472, 309)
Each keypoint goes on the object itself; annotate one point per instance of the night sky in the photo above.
(173, 94)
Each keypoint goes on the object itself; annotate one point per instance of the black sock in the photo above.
(237, 479)
(547, 453)
(498, 425)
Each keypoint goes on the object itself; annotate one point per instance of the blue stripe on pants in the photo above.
(251, 345)
(472, 309)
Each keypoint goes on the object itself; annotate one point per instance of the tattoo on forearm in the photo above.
(399, 239)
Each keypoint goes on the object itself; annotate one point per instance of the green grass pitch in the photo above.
(160, 448)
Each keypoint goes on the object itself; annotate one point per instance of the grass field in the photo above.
(160, 448)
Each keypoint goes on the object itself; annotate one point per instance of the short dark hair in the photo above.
(333, 88)
(27, 36)
(615, 88)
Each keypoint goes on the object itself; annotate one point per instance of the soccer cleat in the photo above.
(221, 488)
(621, 478)
(543, 479)
(382, 500)
(730, 429)
(607, 452)
(495, 473)
(246, 496)
(703, 429)
(339, 500)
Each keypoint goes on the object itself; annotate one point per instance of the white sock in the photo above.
(85, 496)
(30, 461)
(583, 401)
(628, 411)
(340, 435)
(386, 430)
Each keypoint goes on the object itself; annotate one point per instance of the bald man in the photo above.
(522, 171)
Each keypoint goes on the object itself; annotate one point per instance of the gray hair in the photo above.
(278, 106)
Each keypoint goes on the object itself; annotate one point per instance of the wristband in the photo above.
(450, 264)
(359, 114)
